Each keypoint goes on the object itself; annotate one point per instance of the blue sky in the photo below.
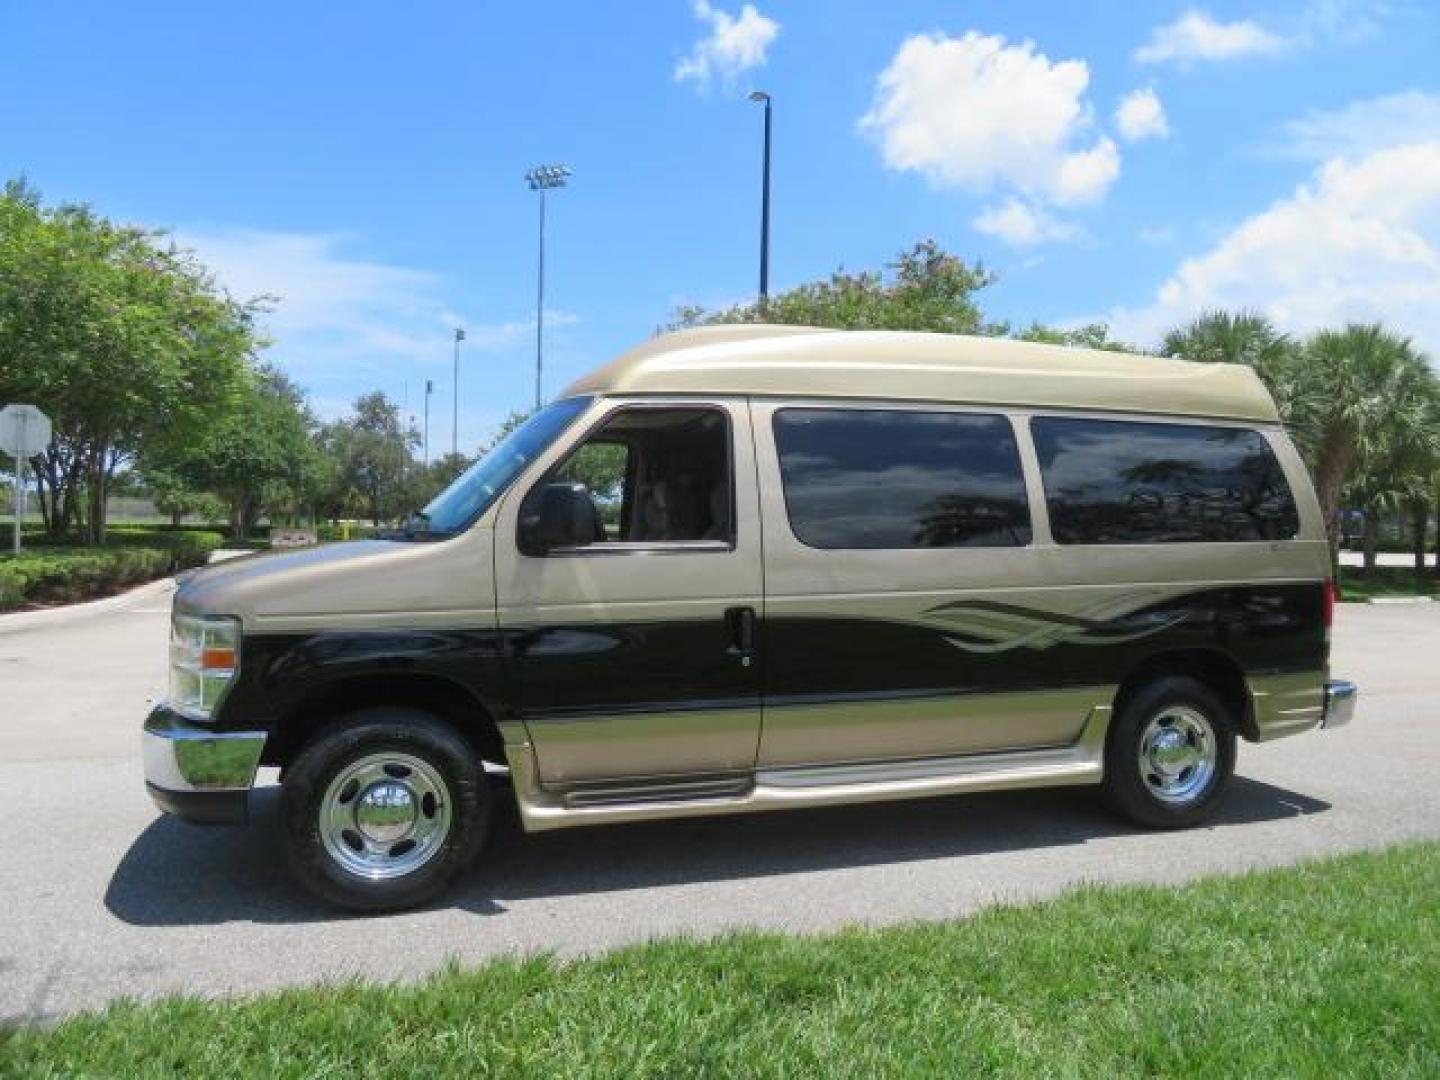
(364, 162)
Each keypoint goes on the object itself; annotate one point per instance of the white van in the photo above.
(754, 567)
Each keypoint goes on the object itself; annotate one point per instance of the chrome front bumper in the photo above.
(1340, 698)
(198, 774)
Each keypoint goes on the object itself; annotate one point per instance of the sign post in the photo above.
(24, 432)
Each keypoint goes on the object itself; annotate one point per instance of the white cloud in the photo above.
(1140, 115)
(1359, 241)
(343, 324)
(976, 113)
(1196, 36)
(735, 44)
(330, 306)
(1362, 127)
(336, 309)
(1021, 225)
(1346, 22)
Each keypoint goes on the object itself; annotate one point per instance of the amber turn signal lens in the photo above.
(217, 659)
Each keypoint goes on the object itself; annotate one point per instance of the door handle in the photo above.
(740, 626)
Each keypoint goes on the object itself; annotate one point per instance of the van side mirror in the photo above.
(558, 515)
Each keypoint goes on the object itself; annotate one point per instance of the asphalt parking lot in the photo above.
(105, 897)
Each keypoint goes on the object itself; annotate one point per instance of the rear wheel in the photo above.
(383, 809)
(1170, 754)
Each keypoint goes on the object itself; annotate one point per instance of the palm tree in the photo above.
(1244, 337)
(1397, 476)
(1360, 403)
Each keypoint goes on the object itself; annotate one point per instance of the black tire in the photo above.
(351, 740)
(1126, 785)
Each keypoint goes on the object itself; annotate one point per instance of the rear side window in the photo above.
(892, 478)
(1118, 482)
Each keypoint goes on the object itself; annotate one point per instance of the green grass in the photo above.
(1359, 586)
(1327, 969)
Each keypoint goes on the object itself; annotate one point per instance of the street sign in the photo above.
(24, 432)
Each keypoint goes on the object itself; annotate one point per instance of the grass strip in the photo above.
(1361, 585)
(1330, 968)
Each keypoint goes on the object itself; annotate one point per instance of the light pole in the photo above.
(542, 178)
(429, 389)
(455, 404)
(761, 95)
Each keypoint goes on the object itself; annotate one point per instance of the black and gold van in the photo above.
(748, 568)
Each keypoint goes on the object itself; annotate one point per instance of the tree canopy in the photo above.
(261, 457)
(372, 454)
(924, 288)
(123, 340)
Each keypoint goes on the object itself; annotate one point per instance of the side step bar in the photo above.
(820, 785)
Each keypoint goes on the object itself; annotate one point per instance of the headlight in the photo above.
(204, 657)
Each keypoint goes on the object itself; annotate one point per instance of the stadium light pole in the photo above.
(543, 178)
(758, 96)
(455, 392)
(429, 389)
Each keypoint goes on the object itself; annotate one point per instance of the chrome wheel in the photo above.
(1178, 754)
(385, 815)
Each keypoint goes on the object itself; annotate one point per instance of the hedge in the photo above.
(67, 574)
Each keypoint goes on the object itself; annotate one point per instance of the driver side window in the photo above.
(657, 476)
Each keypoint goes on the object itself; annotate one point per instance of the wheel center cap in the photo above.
(385, 812)
(1171, 753)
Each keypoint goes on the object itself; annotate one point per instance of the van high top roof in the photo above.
(880, 365)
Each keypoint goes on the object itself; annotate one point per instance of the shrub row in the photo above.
(67, 574)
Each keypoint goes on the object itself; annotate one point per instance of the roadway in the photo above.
(105, 897)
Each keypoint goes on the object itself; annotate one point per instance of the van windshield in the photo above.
(477, 487)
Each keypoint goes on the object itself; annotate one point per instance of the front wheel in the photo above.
(383, 809)
(1170, 754)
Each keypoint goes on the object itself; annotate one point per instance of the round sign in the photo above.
(24, 431)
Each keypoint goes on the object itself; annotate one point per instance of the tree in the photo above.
(513, 419)
(260, 458)
(1396, 470)
(440, 472)
(125, 341)
(374, 459)
(925, 288)
(1089, 336)
(423, 482)
(174, 494)
(1358, 400)
(1245, 337)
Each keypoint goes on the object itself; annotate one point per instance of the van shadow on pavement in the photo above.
(177, 874)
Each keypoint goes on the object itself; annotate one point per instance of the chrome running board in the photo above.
(816, 785)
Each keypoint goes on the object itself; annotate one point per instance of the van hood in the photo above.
(357, 584)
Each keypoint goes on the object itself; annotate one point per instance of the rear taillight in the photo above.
(1327, 613)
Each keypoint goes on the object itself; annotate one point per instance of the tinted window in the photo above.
(1116, 482)
(890, 478)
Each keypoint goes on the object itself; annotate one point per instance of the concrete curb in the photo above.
(16, 621)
